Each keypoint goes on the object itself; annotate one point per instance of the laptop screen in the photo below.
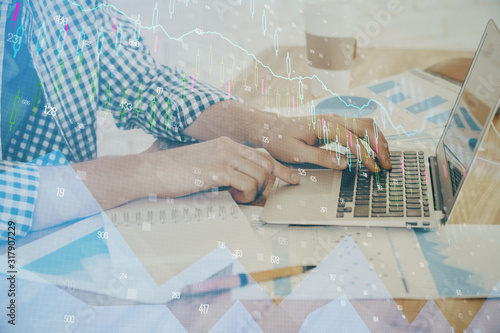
(471, 113)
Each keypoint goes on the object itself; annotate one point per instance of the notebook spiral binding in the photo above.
(174, 215)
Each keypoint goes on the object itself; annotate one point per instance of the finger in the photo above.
(284, 173)
(339, 133)
(271, 165)
(365, 128)
(326, 158)
(363, 155)
(260, 173)
(383, 153)
(378, 143)
(244, 188)
(279, 170)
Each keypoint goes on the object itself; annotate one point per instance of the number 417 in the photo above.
(203, 308)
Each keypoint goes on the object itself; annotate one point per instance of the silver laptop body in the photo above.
(420, 190)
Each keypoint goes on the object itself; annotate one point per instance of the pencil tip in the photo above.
(307, 268)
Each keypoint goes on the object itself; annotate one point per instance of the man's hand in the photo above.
(215, 163)
(295, 140)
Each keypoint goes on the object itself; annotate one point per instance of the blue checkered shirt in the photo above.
(85, 64)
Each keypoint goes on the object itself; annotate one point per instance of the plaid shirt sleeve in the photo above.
(141, 92)
(137, 90)
(18, 193)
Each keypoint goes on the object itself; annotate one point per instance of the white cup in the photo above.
(330, 44)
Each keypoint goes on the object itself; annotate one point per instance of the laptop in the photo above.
(421, 189)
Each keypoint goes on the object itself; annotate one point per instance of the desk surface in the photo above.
(370, 65)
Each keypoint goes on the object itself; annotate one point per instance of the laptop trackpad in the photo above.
(313, 200)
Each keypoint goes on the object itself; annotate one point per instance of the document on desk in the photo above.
(412, 105)
(386, 252)
(152, 250)
(378, 263)
(170, 235)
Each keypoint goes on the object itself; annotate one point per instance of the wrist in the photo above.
(257, 130)
(113, 180)
(238, 122)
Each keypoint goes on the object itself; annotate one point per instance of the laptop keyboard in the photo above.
(456, 177)
(399, 192)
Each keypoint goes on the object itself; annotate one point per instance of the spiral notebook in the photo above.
(169, 235)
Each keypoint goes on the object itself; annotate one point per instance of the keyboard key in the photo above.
(412, 196)
(362, 202)
(361, 211)
(339, 215)
(426, 214)
(379, 199)
(340, 210)
(378, 211)
(391, 214)
(341, 205)
(379, 205)
(396, 193)
(410, 153)
(396, 203)
(413, 213)
(396, 209)
(412, 206)
(412, 202)
(348, 210)
(362, 197)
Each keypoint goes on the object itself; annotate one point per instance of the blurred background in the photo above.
(241, 29)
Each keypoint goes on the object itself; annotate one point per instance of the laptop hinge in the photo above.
(436, 193)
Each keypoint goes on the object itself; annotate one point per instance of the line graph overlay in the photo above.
(197, 31)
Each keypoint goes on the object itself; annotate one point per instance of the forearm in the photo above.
(108, 182)
(115, 180)
(230, 118)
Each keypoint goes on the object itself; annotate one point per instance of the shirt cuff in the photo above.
(63, 197)
(18, 193)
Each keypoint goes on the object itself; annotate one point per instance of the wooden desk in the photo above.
(369, 65)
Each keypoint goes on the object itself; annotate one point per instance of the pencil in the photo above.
(240, 280)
